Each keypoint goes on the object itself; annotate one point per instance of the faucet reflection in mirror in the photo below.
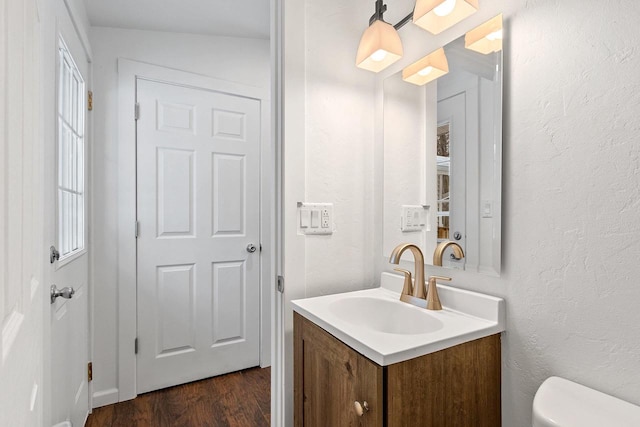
(458, 252)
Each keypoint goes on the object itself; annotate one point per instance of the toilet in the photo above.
(563, 403)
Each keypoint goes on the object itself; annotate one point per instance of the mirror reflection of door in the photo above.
(451, 174)
(443, 188)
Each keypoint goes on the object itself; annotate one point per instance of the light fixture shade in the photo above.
(427, 17)
(380, 46)
(485, 38)
(435, 64)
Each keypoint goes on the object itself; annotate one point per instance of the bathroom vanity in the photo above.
(365, 358)
(451, 387)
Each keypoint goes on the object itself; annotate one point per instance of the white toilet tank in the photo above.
(562, 403)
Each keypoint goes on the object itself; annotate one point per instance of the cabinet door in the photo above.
(329, 378)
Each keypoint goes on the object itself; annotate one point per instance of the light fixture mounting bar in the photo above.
(380, 10)
(403, 21)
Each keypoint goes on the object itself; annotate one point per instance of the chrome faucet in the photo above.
(419, 290)
(458, 253)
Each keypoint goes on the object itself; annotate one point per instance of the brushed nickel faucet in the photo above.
(458, 253)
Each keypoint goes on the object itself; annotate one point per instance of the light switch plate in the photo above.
(315, 218)
(487, 209)
(414, 218)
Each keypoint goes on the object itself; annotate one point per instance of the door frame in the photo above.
(129, 72)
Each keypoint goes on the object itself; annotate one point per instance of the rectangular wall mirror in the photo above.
(443, 160)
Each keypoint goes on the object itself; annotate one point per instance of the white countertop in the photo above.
(466, 316)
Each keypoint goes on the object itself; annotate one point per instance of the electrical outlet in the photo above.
(315, 218)
(414, 218)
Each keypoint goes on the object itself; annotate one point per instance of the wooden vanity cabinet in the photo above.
(455, 387)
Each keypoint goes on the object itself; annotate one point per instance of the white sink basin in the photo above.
(382, 315)
(378, 325)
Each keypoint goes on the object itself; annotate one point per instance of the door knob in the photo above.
(66, 293)
(251, 248)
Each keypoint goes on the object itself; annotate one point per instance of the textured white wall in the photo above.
(338, 140)
(571, 229)
(233, 59)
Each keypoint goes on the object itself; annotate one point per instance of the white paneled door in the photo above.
(198, 201)
(69, 333)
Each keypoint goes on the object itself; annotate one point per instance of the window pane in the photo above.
(74, 104)
(81, 221)
(80, 166)
(74, 222)
(64, 171)
(62, 221)
(64, 89)
(70, 156)
(74, 163)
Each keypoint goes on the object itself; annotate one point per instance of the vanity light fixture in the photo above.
(436, 16)
(486, 38)
(380, 45)
(427, 69)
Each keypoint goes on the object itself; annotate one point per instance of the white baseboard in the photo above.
(105, 397)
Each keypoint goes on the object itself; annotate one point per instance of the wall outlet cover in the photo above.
(315, 218)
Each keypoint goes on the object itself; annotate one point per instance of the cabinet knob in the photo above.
(361, 408)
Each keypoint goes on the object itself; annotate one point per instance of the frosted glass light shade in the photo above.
(380, 46)
(425, 16)
(485, 38)
(427, 69)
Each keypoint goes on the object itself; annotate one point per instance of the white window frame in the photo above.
(73, 121)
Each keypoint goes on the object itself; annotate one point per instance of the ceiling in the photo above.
(235, 18)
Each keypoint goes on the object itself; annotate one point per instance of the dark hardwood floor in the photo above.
(239, 399)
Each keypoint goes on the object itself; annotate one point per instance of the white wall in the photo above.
(234, 59)
(571, 235)
(338, 141)
(22, 194)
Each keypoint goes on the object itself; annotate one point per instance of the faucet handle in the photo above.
(433, 300)
(448, 279)
(408, 286)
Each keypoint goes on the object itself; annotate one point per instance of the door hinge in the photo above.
(135, 346)
(90, 101)
(137, 229)
(54, 255)
(136, 113)
(280, 284)
(90, 371)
